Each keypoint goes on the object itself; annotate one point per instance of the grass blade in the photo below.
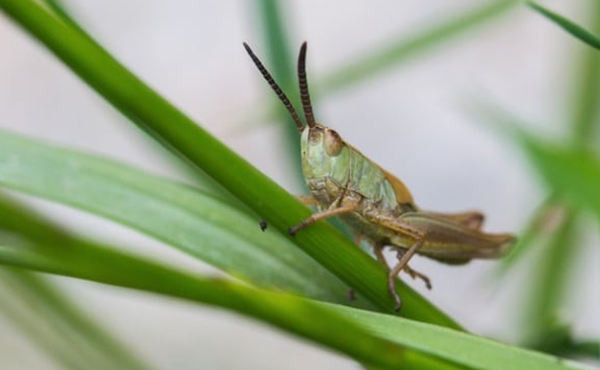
(37, 331)
(572, 173)
(292, 314)
(461, 348)
(171, 127)
(45, 309)
(60, 322)
(364, 335)
(281, 61)
(574, 29)
(398, 51)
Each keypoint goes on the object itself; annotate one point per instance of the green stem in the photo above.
(375, 62)
(152, 112)
(281, 61)
(284, 311)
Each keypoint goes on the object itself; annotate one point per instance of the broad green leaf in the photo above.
(198, 224)
(569, 26)
(365, 336)
(175, 130)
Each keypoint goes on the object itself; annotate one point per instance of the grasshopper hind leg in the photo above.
(402, 264)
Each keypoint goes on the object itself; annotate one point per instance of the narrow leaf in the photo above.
(376, 62)
(569, 26)
(365, 336)
(57, 326)
(174, 129)
(574, 174)
(295, 315)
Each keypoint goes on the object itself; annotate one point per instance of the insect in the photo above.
(376, 205)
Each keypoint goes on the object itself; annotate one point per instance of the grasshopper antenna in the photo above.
(284, 99)
(304, 95)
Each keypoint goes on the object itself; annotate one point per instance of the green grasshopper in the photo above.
(376, 205)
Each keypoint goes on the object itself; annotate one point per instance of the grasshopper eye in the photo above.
(333, 143)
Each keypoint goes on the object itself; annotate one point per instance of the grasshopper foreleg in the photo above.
(308, 200)
(330, 212)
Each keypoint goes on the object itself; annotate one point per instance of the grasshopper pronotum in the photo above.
(374, 203)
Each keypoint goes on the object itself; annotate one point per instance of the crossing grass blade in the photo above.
(571, 27)
(178, 132)
(379, 340)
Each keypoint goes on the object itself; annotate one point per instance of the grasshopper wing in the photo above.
(452, 242)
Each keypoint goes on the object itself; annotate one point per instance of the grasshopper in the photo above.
(376, 205)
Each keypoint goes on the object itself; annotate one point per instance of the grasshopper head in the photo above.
(323, 152)
(321, 146)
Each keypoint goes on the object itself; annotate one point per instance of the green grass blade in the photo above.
(531, 234)
(398, 51)
(572, 176)
(67, 242)
(152, 112)
(586, 90)
(284, 311)
(571, 173)
(62, 323)
(37, 331)
(574, 29)
(551, 268)
(200, 225)
(461, 348)
(62, 320)
(281, 62)
(364, 335)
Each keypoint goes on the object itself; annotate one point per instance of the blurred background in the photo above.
(416, 118)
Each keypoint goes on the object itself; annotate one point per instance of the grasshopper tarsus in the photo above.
(393, 293)
(294, 229)
(427, 283)
(263, 225)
